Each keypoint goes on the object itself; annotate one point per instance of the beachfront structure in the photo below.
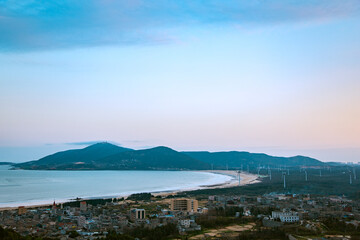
(22, 210)
(137, 214)
(184, 204)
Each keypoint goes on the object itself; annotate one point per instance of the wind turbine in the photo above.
(354, 171)
(284, 176)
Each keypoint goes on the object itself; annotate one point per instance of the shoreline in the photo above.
(246, 178)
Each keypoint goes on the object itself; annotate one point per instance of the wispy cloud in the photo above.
(32, 25)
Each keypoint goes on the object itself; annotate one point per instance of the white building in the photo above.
(288, 217)
(185, 223)
(81, 221)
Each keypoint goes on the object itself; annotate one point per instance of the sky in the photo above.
(279, 77)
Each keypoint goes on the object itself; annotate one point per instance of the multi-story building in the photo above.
(83, 206)
(21, 210)
(81, 221)
(184, 204)
(137, 214)
(286, 216)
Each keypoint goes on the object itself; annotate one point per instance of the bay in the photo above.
(31, 187)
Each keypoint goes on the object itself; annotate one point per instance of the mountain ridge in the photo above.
(107, 156)
(235, 159)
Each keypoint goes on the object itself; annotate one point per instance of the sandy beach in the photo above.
(245, 179)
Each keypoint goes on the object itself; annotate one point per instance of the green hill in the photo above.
(159, 158)
(79, 157)
(106, 156)
(235, 159)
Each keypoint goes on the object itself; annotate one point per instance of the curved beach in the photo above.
(33, 188)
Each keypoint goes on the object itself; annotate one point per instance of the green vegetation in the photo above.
(74, 234)
(140, 197)
(93, 202)
(235, 159)
(327, 184)
(158, 233)
(105, 156)
(6, 234)
(72, 158)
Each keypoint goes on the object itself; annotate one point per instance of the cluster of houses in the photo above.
(92, 222)
(95, 221)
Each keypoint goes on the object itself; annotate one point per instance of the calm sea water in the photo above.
(25, 187)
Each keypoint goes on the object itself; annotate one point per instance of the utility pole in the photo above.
(306, 178)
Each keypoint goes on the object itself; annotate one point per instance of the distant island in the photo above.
(106, 156)
(6, 163)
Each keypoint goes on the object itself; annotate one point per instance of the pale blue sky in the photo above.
(280, 77)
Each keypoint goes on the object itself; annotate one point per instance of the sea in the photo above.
(32, 187)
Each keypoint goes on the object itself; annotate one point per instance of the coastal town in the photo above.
(211, 217)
